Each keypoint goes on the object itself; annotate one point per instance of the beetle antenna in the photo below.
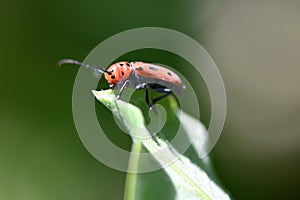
(75, 62)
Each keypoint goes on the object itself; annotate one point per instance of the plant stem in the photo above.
(131, 178)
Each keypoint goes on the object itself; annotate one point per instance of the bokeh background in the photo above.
(255, 44)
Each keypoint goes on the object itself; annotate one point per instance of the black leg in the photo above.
(147, 98)
(145, 86)
(160, 89)
(122, 88)
(160, 97)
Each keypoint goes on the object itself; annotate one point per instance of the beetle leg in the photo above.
(160, 97)
(122, 89)
(147, 98)
(141, 86)
(167, 91)
(161, 89)
(145, 86)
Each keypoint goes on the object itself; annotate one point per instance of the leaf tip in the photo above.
(95, 93)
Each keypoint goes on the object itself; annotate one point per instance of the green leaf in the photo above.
(181, 179)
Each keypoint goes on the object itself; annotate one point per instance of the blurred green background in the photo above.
(255, 44)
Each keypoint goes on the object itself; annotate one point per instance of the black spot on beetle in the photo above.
(139, 68)
(113, 77)
(109, 73)
(128, 64)
(169, 73)
(121, 64)
(153, 68)
(122, 73)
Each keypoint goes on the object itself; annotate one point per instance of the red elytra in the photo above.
(139, 74)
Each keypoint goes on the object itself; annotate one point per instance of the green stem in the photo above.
(131, 178)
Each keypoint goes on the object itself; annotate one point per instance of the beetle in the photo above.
(139, 74)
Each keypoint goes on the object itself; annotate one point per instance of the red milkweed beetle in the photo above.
(141, 75)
